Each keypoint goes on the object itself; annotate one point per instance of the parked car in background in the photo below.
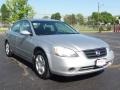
(54, 47)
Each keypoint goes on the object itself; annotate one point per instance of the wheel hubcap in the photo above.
(7, 48)
(40, 64)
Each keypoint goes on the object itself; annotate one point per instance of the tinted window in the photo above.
(25, 26)
(64, 28)
(43, 28)
(52, 27)
(16, 27)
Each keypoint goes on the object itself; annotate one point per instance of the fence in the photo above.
(117, 28)
(94, 28)
(86, 28)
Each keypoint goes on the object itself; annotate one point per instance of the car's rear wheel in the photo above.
(41, 65)
(8, 50)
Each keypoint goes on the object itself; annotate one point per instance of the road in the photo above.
(17, 74)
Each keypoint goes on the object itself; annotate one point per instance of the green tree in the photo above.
(116, 19)
(103, 17)
(80, 19)
(4, 13)
(0, 18)
(107, 17)
(56, 16)
(94, 17)
(70, 19)
(46, 17)
(90, 21)
(66, 19)
(19, 9)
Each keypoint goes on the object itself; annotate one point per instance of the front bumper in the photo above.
(72, 66)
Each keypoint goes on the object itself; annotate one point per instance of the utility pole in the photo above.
(98, 10)
(99, 16)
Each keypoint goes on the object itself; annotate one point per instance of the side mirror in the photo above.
(25, 32)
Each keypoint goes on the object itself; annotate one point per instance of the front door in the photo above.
(24, 42)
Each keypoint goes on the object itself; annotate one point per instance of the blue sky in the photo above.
(86, 7)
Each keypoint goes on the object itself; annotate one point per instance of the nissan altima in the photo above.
(54, 47)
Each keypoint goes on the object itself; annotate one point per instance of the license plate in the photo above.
(100, 62)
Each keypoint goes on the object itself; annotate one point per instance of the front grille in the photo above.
(95, 53)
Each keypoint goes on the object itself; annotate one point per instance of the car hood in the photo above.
(77, 42)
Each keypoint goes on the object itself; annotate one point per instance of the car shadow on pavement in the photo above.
(74, 78)
(58, 78)
(24, 62)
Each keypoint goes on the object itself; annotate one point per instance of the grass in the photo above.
(3, 29)
(87, 29)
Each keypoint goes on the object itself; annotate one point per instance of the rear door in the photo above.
(12, 37)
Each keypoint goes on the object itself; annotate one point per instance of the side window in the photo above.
(43, 28)
(16, 27)
(25, 26)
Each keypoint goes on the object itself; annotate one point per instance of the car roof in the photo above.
(33, 20)
(38, 20)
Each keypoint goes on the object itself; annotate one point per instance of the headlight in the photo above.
(65, 52)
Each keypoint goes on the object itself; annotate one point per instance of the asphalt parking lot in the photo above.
(16, 74)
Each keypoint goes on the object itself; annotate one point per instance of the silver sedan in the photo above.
(55, 47)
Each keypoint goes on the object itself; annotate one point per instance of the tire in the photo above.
(8, 50)
(41, 65)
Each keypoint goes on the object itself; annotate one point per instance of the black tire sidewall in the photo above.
(10, 51)
(46, 74)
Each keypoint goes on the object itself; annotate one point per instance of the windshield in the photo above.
(52, 27)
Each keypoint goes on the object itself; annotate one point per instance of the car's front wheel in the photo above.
(41, 65)
(8, 50)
